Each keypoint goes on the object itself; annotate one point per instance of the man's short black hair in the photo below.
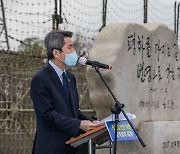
(55, 40)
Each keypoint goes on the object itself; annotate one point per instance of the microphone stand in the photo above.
(116, 109)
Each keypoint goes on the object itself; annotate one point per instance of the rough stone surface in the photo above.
(145, 71)
(145, 76)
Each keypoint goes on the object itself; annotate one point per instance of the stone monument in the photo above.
(145, 76)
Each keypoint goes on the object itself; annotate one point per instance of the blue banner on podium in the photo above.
(124, 131)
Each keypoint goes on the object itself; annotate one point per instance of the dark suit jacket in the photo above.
(57, 118)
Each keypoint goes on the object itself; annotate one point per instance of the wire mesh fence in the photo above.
(27, 22)
(17, 118)
(28, 19)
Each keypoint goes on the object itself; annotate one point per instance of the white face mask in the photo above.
(70, 58)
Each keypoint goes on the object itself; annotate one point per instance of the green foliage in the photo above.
(31, 45)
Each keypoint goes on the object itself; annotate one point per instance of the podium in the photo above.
(98, 135)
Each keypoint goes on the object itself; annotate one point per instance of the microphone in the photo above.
(84, 61)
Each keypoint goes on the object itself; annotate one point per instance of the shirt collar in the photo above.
(57, 69)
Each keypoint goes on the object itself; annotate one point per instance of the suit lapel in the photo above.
(54, 77)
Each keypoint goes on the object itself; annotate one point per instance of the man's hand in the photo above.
(87, 125)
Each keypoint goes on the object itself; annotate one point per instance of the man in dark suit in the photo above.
(55, 98)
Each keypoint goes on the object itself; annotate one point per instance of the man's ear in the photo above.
(55, 52)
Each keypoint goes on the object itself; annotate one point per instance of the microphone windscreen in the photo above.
(82, 60)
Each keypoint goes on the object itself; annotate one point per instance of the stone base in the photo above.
(161, 137)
